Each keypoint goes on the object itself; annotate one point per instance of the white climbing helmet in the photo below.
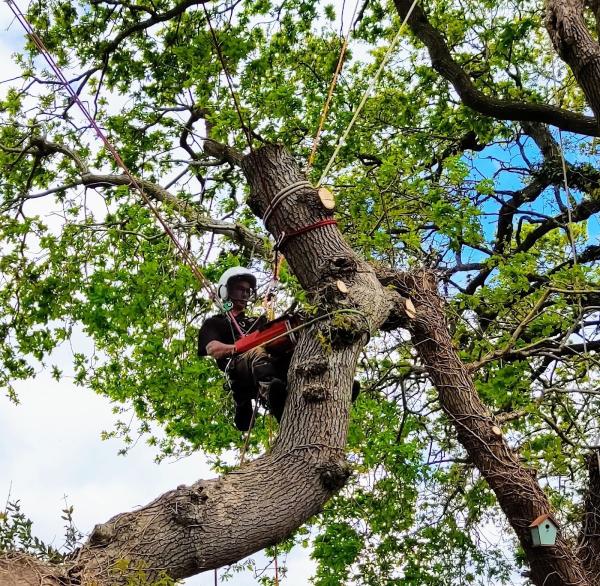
(233, 273)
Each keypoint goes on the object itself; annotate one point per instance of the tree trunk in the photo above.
(590, 532)
(574, 43)
(217, 522)
(518, 493)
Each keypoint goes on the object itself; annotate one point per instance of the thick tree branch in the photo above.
(549, 148)
(518, 493)
(552, 349)
(504, 230)
(223, 152)
(580, 212)
(584, 178)
(237, 232)
(202, 526)
(109, 46)
(590, 532)
(447, 67)
(573, 42)
(46, 148)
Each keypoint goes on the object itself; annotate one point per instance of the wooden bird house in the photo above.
(544, 530)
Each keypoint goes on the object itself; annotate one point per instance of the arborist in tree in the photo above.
(256, 374)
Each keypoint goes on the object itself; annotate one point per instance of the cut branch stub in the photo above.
(218, 522)
(270, 171)
(518, 493)
(326, 198)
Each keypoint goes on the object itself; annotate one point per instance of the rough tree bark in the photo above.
(574, 43)
(217, 522)
(516, 488)
(590, 532)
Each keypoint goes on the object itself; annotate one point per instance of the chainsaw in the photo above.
(278, 335)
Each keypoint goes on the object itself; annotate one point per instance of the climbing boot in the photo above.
(273, 393)
(243, 415)
(355, 389)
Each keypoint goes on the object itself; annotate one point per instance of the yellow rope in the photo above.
(338, 69)
(369, 89)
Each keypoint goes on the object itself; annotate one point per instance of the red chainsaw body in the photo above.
(275, 335)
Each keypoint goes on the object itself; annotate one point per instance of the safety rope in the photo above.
(334, 80)
(269, 296)
(281, 195)
(369, 89)
(185, 255)
(570, 235)
(287, 236)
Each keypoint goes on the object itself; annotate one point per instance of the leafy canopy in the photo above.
(421, 180)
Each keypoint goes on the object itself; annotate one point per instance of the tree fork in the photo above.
(212, 523)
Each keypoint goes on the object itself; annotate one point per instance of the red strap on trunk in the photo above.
(285, 237)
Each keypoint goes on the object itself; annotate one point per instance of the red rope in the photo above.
(184, 253)
(285, 237)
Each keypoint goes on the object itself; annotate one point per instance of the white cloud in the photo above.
(50, 451)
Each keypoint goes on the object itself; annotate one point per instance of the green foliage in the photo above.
(421, 180)
(16, 534)
(137, 575)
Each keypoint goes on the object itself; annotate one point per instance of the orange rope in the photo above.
(325, 111)
(268, 300)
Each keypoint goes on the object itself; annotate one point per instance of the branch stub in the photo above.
(326, 198)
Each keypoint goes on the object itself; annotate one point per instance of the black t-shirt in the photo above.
(220, 328)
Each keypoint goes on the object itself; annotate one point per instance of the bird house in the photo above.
(544, 530)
